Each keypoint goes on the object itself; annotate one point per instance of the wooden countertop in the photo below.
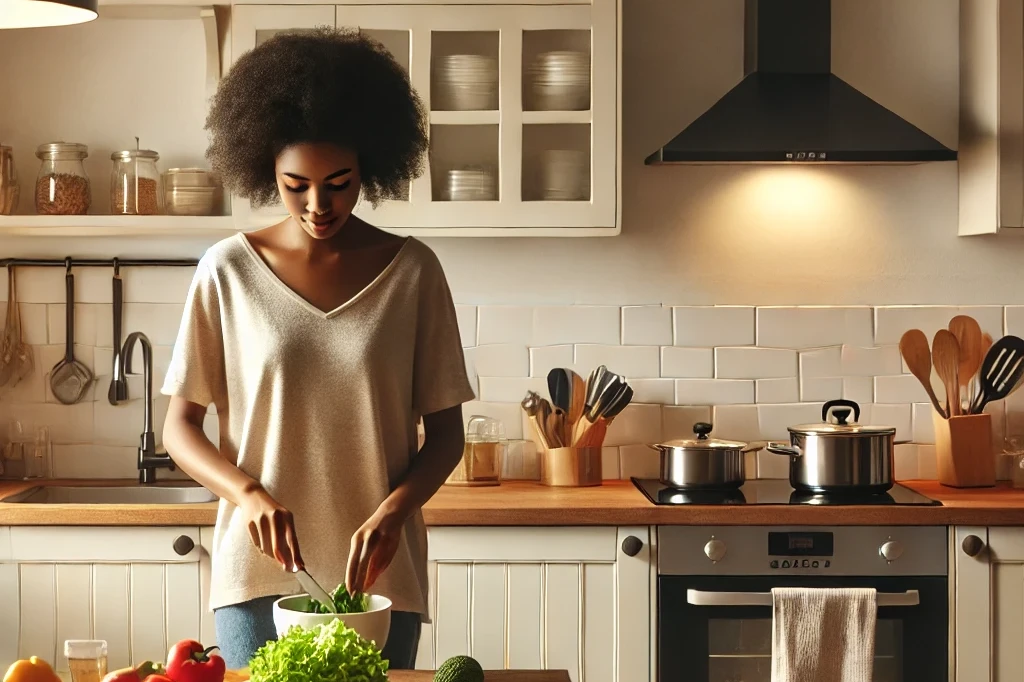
(521, 503)
(489, 676)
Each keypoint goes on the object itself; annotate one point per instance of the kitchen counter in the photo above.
(522, 503)
(427, 676)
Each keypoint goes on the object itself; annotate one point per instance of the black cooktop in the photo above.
(775, 491)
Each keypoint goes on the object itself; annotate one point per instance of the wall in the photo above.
(874, 238)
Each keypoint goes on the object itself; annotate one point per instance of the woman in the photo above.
(321, 341)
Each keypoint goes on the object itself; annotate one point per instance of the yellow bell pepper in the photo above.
(33, 669)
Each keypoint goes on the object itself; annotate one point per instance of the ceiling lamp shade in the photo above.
(37, 13)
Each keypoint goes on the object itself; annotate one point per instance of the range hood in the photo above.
(790, 107)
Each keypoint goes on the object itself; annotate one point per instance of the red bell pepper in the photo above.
(188, 661)
(139, 673)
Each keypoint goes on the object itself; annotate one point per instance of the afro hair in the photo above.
(322, 86)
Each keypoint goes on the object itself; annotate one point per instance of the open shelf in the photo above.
(114, 226)
(466, 118)
(557, 117)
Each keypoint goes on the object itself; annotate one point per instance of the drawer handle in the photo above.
(972, 545)
(702, 598)
(632, 545)
(183, 544)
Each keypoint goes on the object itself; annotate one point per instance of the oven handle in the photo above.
(704, 598)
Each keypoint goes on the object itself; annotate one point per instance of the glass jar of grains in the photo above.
(135, 183)
(62, 187)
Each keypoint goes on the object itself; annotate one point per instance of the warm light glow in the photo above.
(38, 13)
(794, 193)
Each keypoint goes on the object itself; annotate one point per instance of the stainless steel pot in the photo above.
(839, 456)
(703, 463)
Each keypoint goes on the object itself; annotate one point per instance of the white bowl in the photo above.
(372, 625)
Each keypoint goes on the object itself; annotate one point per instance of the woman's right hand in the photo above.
(271, 528)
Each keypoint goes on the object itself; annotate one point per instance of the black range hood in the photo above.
(791, 107)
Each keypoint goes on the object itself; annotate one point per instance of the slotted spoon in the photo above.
(1000, 372)
(69, 378)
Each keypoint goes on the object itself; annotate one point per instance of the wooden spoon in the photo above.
(578, 397)
(968, 335)
(946, 354)
(914, 348)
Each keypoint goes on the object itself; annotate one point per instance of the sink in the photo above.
(129, 494)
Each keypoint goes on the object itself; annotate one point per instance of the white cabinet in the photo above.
(991, 149)
(542, 598)
(126, 585)
(989, 612)
(513, 135)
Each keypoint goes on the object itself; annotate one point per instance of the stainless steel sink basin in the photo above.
(130, 494)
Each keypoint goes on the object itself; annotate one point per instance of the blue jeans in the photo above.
(244, 628)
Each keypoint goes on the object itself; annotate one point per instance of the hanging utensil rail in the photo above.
(96, 263)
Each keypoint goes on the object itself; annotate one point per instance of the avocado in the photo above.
(459, 669)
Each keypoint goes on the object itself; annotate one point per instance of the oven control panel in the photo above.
(815, 550)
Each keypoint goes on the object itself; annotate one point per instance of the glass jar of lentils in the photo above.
(62, 187)
(135, 183)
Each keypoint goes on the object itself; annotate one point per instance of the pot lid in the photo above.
(835, 420)
(702, 429)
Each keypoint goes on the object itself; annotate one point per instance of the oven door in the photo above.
(717, 629)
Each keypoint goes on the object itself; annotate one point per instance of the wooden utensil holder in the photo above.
(571, 467)
(963, 451)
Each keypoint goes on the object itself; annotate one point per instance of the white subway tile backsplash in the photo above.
(924, 427)
(905, 462)
(469, 355)
(859, 389)
(928, 466)
(653, 391)
(990, 318)
(577, 324)
(94, 461)
(157, 285)
(736, 422)
(95, 285)
(898, 416)
(813, 327)
(502, 361)
(159, 321)
(1014, 320)
(821, 362)
(610, 464)
(546, 358)
(639, 461)
(509, 414)
(510, 389)
(505, 324)
(531, 462)
(466, 316)
(819, 389)
(85, 323)
(904, 388)
(31, 389)
(777, 390)
(105, 327)
(67, 423)
(677, 422)
(647, 326)
(512, 467)
(120, 424)
(871, 362)
(687, 363)
(632, 362)
(772, 466)
(41, 285)
(635, 424)
(714, 392)
(892, 321)
(33, 323)
(755, 363)
(709, 326)
(774, 420)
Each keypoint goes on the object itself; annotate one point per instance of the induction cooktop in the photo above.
(776, 491)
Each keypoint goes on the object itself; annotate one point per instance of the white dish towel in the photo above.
(823, 634)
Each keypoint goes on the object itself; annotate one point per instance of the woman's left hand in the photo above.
(373, 547)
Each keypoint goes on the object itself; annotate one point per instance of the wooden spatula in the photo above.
(946, 355)
(914, 348)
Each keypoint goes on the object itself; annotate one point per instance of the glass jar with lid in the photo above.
(483, 455)
(135, 183)
(62, 186)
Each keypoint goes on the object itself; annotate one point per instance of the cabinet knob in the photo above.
(891, 550)
(715, 550)
(632, 545)
(972, 545)
(183, 544)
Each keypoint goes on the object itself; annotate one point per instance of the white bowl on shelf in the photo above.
(470, 184)
(465, 82)
(560, 81)
(373, 625)
(563, 175)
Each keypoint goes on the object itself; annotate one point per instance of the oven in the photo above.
(714, 607)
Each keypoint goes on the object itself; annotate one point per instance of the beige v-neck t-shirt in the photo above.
(320, 407)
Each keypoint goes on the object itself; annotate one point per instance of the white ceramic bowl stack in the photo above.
(466, 82)
(560, 81)
(475, 183)
(563, 175)
(373, 625)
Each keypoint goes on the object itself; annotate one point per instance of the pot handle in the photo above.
(754, 446)
(783, 449)
(827, 407)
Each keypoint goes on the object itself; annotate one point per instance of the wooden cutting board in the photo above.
(427, 676)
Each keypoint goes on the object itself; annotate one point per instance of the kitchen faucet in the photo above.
(149, 459)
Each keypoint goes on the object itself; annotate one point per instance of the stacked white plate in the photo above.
(560, 81)
(465, 82)
(471, 184)
(563, 175)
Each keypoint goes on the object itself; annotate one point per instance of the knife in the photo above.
(315, 591)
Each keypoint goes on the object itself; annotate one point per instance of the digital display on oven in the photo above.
(799, 544)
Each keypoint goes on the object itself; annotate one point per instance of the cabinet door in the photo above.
(251, 25)
(127, 586)
(541, 598)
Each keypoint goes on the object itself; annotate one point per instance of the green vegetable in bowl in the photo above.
(343, 602)
(331, 652)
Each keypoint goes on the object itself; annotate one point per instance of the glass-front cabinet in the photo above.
(523, 103)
